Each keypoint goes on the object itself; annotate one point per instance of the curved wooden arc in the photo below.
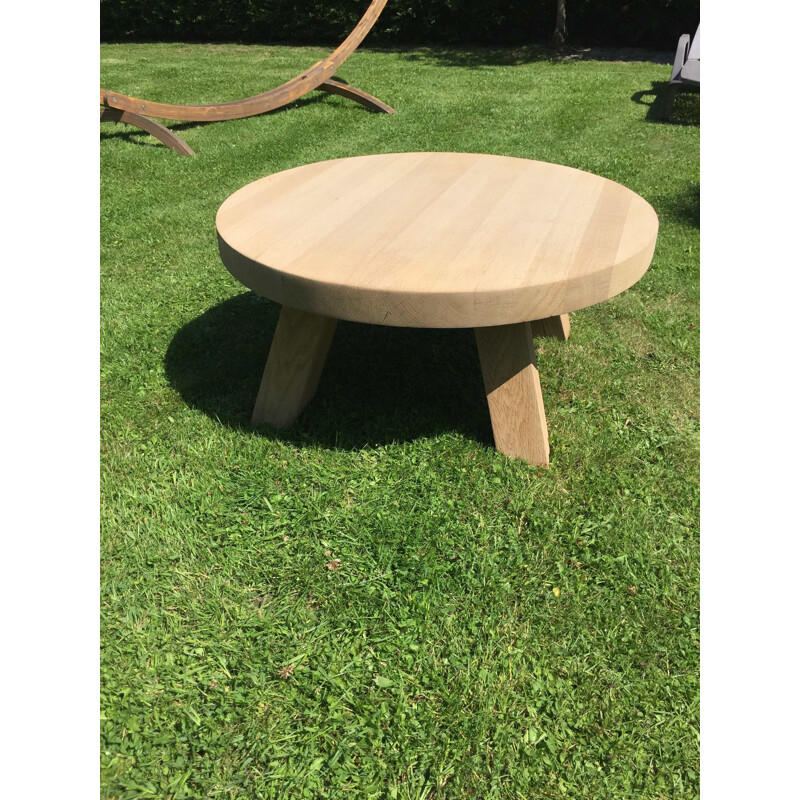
(288, 92)
(333, 86)
(161, 133)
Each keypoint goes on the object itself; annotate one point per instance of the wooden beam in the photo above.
(557, 327)
(161, 133)
(278, 97)
(294, 366)
(514, 392)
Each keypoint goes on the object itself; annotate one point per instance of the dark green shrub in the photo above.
(653, 24)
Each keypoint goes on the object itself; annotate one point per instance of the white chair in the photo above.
(685, 70)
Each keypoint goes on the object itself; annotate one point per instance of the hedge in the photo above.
(653, 24)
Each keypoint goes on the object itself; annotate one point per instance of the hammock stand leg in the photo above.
(334, 86)
(161, 133)
(134, 110)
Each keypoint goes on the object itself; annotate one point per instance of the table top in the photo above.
(440, 240)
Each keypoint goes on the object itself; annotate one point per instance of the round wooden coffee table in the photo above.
(506, 246)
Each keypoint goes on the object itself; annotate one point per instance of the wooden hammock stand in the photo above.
(116, 107)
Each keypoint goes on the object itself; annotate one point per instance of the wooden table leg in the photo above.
(511, 380)
(296, 358)
(557, 327)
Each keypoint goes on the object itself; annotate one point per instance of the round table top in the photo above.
(440, 240)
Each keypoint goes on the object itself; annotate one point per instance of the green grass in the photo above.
(438, 660)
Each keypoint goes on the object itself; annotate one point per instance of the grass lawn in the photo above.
(493, 630)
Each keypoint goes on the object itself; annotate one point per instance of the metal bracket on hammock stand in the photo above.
(135, 111)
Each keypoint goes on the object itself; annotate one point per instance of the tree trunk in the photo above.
(560, 32)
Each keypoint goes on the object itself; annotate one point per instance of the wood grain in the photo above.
(294, 366)
(161, 133)
(556, 327)
(441, 240)
(514, 392)
(280, 96)
(333, 86)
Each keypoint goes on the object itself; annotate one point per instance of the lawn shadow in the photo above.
(685, 110)
(380, 384)
(134, 135)
(479, 57)
(683, 207)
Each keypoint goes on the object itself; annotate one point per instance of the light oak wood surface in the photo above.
(294, 366)
(506, 246)
(440, 240)
(557, 327)
(514, 392)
